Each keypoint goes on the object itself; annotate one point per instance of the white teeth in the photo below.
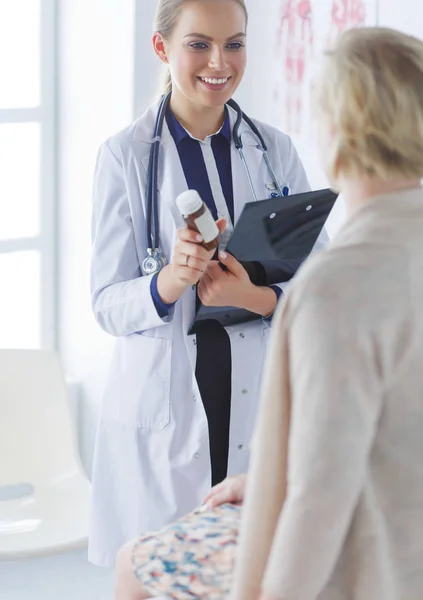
(214, 81)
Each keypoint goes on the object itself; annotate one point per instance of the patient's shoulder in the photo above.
(350, 279)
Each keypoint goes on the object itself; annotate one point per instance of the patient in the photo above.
(333, 505)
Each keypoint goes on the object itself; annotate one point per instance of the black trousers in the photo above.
(214, 377)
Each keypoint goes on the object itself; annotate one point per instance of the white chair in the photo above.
(44, 492)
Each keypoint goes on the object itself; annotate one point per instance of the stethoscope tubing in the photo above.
(153, 238)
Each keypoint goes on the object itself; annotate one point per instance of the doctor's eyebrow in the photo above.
(210, 39)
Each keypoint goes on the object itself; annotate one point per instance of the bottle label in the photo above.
(207, 227)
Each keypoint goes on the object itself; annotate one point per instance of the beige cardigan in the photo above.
(334, 503)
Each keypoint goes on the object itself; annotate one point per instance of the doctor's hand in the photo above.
(189, 261)
(220, 287)
(233, 287)
(230, 490)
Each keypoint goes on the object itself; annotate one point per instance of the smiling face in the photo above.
(206, 51)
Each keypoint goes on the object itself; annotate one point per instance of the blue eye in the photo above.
(199, 46)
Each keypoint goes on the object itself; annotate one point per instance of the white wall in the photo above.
(95, 99)
(147, 66)
(404, 15)
(97, 96)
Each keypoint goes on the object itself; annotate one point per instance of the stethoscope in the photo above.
(155, 259)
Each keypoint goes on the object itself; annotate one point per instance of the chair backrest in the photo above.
(37, 439)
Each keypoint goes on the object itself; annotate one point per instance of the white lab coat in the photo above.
(152, 461)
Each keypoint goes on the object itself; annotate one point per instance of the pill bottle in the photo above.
(198, 217)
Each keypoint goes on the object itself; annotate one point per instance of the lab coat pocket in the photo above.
(138, 390)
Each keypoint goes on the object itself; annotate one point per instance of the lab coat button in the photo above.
(242, 335)
(197, 455)
(240, 447)
(245, 392)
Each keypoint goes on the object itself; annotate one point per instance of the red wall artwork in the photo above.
(294, 46)
(346, 14)
(303, 30)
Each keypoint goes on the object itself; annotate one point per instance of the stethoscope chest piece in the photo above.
(153, 262)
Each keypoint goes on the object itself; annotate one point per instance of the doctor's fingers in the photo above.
(188, 262)
(195, 239)
(214, 271)
(206, 280)
(194, 251)
(187, 235)
(205, 287)
(186, 274)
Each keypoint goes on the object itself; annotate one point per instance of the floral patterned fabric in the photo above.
(191, 559)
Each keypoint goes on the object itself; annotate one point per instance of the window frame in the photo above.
(46, 242)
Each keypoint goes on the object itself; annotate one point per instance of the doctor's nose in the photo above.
(217, 60)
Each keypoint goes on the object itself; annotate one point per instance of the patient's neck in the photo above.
(357, 192)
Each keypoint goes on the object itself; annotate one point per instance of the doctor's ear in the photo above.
(159, 47)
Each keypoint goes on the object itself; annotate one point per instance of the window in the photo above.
(27, 174)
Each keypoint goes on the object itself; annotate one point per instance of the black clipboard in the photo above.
(271, 239)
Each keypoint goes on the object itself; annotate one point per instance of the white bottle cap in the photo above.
(189, 202)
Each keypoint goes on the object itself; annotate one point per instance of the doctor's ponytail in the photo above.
(165, 82)
(165, 21)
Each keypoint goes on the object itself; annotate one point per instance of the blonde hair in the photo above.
(370, 96)
(165, 21)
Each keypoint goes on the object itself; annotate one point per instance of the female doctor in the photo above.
(179, 410)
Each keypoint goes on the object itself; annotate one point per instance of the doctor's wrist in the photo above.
(169, 287)
(261, 300)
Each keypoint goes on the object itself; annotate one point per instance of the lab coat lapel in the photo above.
(171, 183)
(170, 179)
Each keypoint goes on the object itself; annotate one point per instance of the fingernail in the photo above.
(223, 255)
(199, 238)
